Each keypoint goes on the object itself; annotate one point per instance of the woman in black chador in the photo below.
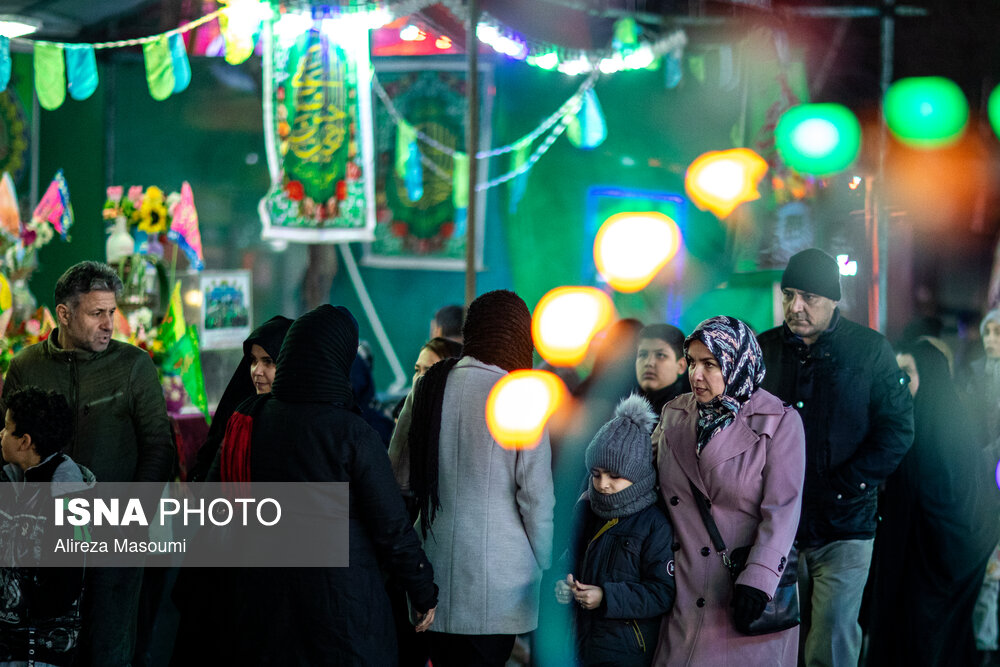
(938, 527)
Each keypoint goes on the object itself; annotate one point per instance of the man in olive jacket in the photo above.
(121, 430)
(843, 380)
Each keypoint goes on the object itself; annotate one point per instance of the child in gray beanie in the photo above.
(621, 561)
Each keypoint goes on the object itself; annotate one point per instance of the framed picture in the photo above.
(225, 309)
(417, 225)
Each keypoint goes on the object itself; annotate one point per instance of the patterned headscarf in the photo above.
(735, 347)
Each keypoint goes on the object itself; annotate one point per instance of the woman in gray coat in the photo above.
(485, 512)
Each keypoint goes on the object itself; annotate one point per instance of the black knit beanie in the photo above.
(813, 270)
(497, 331)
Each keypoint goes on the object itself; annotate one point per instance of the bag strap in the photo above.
(706, 517)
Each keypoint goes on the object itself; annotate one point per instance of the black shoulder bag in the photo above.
(782, 610)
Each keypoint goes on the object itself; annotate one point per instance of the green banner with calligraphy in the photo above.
(317, 122)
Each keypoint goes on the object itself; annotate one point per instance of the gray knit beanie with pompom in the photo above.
(622, 446)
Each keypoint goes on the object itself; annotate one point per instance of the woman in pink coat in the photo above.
(745, 450)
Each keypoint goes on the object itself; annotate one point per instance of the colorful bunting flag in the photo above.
(179, 60)
(159, 68)
(10, 214)
(519, 184)
(81, 70)
(184, 230)
(50, 75)
(588, 129)
(55, 207)
(239, 27)
(4, 62)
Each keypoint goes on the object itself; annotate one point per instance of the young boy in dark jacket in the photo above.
(39, 606)
(622, 569)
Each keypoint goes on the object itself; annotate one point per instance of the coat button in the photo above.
(705, 551)
(674, 500)
(781, 567)
(783, 560)
(863, 486)
(700, 602)
(799, 405)
(675, 546)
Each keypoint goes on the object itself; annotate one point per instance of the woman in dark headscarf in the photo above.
(939, 527)
(308, 430)
(743, 449)
(253, 376)
(485, 511)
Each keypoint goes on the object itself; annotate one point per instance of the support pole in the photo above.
(471, 146)
(880, 233)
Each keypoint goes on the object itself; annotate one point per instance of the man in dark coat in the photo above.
(858, 417)
(308, 430)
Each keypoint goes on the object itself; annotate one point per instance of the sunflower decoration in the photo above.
(153, 212)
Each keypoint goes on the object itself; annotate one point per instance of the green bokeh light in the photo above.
(818, 139)
(926, 112)
(993, 107)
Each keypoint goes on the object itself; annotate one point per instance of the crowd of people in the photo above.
(706, 471)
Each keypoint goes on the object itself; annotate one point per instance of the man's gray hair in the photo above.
(86, 277)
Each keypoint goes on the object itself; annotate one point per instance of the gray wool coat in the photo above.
(492, 537)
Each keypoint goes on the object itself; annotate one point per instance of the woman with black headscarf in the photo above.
(308, 429)
(485, 511)
(939, 527)
(744, 450)
(253, 376)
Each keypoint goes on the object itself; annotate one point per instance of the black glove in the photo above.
(748, 604)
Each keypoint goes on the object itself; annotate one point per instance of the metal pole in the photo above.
(471, 146)
(880, 238)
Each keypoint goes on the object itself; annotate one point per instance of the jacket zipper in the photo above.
(638, 634)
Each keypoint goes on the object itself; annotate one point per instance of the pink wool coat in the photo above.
(752, 472)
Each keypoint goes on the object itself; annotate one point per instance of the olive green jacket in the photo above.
(121, 430)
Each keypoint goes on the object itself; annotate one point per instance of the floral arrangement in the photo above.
(148, 211)
(20, 335)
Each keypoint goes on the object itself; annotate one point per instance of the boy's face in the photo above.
(606, 482)
(11, 445)
(657, 365)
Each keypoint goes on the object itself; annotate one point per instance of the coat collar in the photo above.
(729, 443)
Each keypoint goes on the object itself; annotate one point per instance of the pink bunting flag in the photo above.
(10, 216)
(184, 229)
(55, 207)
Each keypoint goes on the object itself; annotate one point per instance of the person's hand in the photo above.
(564, 592)
(748, 604)
(587, 596)
(424, 620)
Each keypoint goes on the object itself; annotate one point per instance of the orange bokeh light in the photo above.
(566, 319)
(519, 406)
(719, 181)
(631, 248)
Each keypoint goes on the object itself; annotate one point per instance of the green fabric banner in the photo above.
(50, 75)
(159, 68)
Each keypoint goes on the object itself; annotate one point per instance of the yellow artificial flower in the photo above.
(153, 212)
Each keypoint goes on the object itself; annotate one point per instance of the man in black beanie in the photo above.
(858, 417)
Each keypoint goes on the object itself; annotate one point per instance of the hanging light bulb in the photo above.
(631, 248)
(566, 319)
(818, 139)
(719, 181)
(926, 112)
(519, 406)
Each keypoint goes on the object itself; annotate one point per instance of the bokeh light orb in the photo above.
(719, 181)
(818, 139)
(631, 248)
(566, 319)
(519, 406)
(993, 109)
(926, 112)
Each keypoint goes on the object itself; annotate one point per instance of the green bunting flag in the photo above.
(460, 181)
(184, 358)
(81, 70)
(159, 68)
(50, 75)
(406, 134)
(173, 327)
